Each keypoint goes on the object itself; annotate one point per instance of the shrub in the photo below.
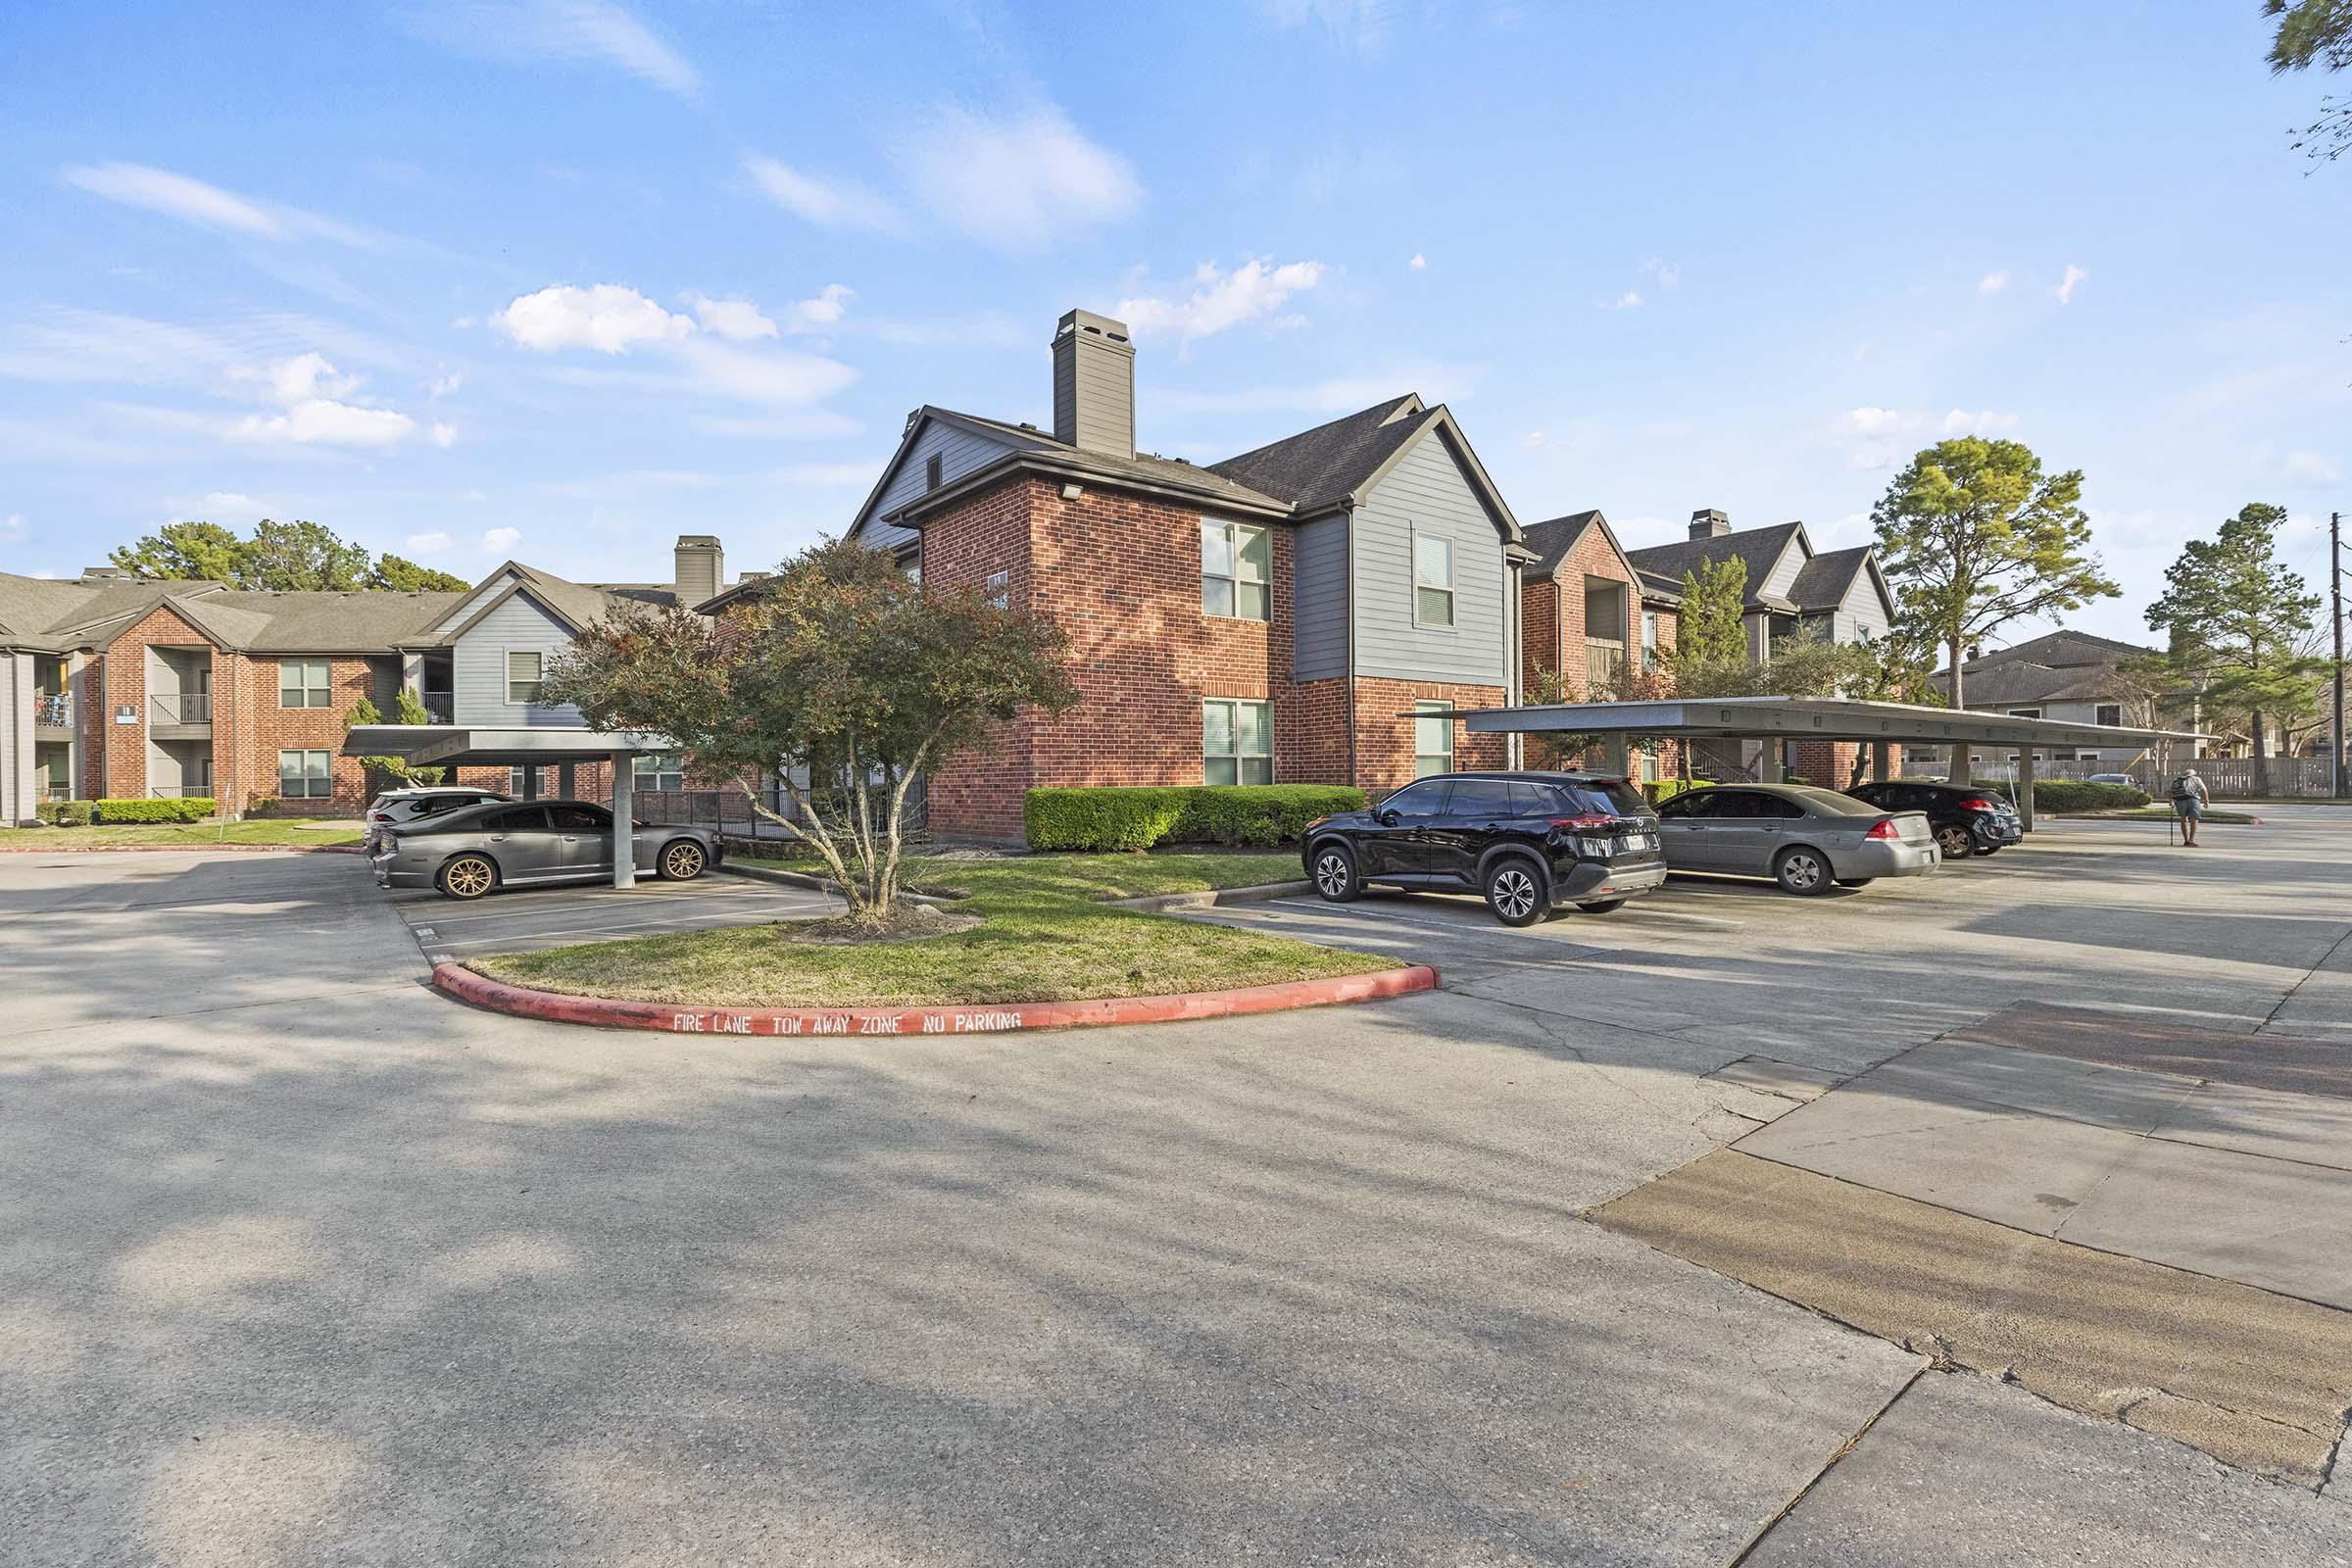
(64, 813)
(1138, 818)
(185, 808)
(2074, 794)
(1662, 789)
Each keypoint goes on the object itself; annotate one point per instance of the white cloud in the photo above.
(175, 196)
(446, 385)
(12, 526)
(1017, 181)
(739, 320)
(768, 378)
(831, 204)
(2066, 286)
(1993, 282)
(444, 436)
(1419, 262)
(500, 540)
(1253, 291)
(606, 317)
(305, 377)
(592, 31)
(1876, 422)
(2310, 467)
(230, 505)
(427, 544)
(324, 421)
(1984, 422)
(1668, 274)
(1533, 441)
(824, 310)
(1627, 301)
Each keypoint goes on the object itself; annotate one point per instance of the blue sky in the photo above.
(562, 278)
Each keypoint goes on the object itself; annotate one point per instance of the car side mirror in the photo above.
(1389, 819)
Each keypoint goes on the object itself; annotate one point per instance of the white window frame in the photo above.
(1649, 639)
(1450, 588)
(1421, 710)
(1238, 538)
(1240, 761)
(326, 780)
(998, 594)
(538, 684)
(670, 765)
(2024, 712)
(324, 692)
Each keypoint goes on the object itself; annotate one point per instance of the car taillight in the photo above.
(1883, 828)
(1583, 823)
(1975, 802)
(383, 816)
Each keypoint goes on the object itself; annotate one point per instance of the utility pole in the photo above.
(2336, 599)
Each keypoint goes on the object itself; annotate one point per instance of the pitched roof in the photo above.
(1759, 548)
(1552, 539)
(1823, 582)
(1027, 440)
(1321, 467)
(57, 614)
(2059, 650)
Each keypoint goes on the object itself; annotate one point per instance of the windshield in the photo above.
(1830, 800)
(1610, 797)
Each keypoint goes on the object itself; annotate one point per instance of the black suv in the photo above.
(1966, 821)
(1527, 841)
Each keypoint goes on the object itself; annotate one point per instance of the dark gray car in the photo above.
(467, 853)
(1804, 838)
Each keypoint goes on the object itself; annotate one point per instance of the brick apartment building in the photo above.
(1276, 618)
(115, 686)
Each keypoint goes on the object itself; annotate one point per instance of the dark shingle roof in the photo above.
(1760, 548)
(1143, 465)
(1823, 582)
(1323, 466)
(1552, 539)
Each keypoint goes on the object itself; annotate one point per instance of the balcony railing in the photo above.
(180, 708)
(440, 707)
(1604, 663)
(53, 708)
(173, 792)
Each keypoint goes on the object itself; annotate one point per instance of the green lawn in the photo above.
(1046, 937)
(308, 832)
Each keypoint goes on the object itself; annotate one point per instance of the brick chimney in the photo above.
(1094, 384)
(701, 568)
(1709, 523)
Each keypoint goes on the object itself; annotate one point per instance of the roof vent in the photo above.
(107, 574)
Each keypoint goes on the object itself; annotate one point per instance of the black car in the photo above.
(1965, 820)
(1527, 841)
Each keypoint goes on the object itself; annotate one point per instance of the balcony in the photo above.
(53, 710)
(1604, 668)
(440, 707)
(179, 710)
(175, 792)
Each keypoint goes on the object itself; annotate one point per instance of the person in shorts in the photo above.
(2190, 800)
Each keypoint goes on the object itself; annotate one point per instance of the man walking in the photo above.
(2190, 800)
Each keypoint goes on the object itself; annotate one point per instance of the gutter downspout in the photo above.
(1348, 518)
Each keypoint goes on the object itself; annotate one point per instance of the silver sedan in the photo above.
(1804, 838)
(468, 852)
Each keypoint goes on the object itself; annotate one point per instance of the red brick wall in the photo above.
(245, 748)
(1384, 729)
(980, 792)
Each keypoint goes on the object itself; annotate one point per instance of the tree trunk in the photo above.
(1956, 768)
(2262, 760)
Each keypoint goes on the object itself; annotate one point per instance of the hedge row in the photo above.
(2073, 794)
(1141, 816)
(80, 813)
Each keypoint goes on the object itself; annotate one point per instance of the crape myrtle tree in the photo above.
(837, 670)
(1973, 536)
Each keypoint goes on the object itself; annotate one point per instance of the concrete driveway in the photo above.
(298, 1261)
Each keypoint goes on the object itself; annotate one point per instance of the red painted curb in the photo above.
(557, 1007)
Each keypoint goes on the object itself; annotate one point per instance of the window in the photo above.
(304, 683)
(1237, 563)
(998, 592)
(1237, 743)
(931, 472)
(1433, 739)
(2024, 712)
(305, 776)
(1485, 798)
(521, 819)
(1649, 639)
(518, 781)
(663, 772)
(523, 676)
(1433, 580)
(2110, 713)
(1418, 800)
(576, 818)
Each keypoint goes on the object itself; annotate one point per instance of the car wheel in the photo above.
(1855, 881)
(1803, 872)
(1957, 843)
(682, 860)
(1335, 874)
(1601, 905)
(1515, 892)
(469, 876)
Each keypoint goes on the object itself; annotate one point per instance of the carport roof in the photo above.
(468, 745)
(1820, 717)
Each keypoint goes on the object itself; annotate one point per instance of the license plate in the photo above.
(1634, 841)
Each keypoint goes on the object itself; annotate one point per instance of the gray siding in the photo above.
(478, 666)
(1319, 600)
(1427, 491)
(1783, 575)
(959, 452)
(1861, 615)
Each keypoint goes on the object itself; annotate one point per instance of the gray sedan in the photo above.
(468, 852)
(1804, 838)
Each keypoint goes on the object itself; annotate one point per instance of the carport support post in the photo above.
(624, 811)
(1881, 761)
(563, 780)
(1619, 761)
(2025, 786)
(530, 782)
(1768, 761)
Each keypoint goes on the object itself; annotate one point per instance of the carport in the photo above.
(1882, 725)
(465, 746)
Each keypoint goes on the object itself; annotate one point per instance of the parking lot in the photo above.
(300, 1260)
(527, 919)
